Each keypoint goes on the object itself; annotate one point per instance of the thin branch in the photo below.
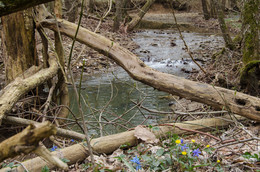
(184, 42)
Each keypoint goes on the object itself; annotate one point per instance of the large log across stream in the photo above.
(235, 102)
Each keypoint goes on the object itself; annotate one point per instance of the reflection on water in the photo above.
(110, 95)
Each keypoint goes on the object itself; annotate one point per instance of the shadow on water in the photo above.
(110, 95)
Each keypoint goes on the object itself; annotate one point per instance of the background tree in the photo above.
(119, 14)
(72, 9)
(205, 9)
(223, 26)
(250, 46)
(19, 43)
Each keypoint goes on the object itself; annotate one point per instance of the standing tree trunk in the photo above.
(250, 44)
(72, 9)
(233, 5)
(120, 13)
(18, 43)
(223, 5)
(61, 88)
(223, 27)
(130, 26)
(205, 9)
(213, 11)
(89, 5)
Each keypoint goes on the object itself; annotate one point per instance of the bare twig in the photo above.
(184, 42)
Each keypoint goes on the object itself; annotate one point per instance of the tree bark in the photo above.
(251, 46)
(90, 6)
(109, 144)
(60, 131)
(25, 141)
(61, 88)
(134, 22)
(72, 9)
(8, 7)
(225, 33)
(18, 37)
(120, 13)
(205, 9)
(217, 97)
(32, 78)
(213, 13)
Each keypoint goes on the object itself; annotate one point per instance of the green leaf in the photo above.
(156, 163)
(127, 163)
(45, 169)
(146, 158)
(160, 152)
(156, 129)
(247, 155)
(65, 160)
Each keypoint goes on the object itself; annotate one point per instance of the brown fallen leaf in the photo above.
(145, 135)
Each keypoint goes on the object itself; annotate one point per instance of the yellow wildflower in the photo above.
(218, 161)
(184, 153)
(208, 146)
(193, 141)
(178, 141)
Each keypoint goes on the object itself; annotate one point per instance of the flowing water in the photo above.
(112, 94)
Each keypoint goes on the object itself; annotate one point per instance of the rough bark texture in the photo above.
(120, 13)
(61, 88)
(18, 43)
(108, 144)
(213, 12)
(223, 26)
(251, 46)
(205, 9)
(89, 5)
(8, 7)
(26, 141)
(60, 132)
(21, 85)
(72, 9)
(217, 97)
(134, 22)
(251, 28)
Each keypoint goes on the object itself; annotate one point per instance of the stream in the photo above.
(111, 94)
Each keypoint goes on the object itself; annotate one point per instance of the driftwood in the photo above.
(7, 6)
(25, 141)
(109, 144)
(32, 78)
(60, 132)
(236, 102)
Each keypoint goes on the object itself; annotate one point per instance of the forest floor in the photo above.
(222, 66)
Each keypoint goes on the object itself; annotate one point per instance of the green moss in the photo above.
(251, 27)
(249, 73)
(237, 39)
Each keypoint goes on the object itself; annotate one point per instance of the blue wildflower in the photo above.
(184, 147)
(54, 148)
(181, 141)
(137, 162)
(196, 152)
(72, 140)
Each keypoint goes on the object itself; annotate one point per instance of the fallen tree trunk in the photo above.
(60, 131)
(132, 24)
(236, 102)
(32, 78)
(7, 6)
(25, 141)
(109, 144)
